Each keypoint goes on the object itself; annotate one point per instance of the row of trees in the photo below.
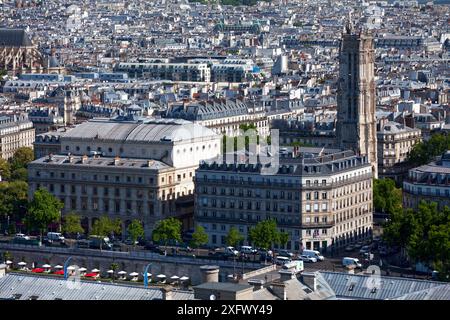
(423, 235)
(263, 235)
(387, 198)
(425, 151)
(14, 187)
(16, 167)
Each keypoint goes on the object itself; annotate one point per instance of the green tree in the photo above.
(167, 230)
(199, 237)
(114, 266)
(104, 227)
(5, 170)
(264, 234)
(387, 198)
(43, 210)
(135, 230)
(21, 158)
(424, 234)
(234, 237)
(425, 151)
(13, 200)
(283, 238)
(20, 174)
(72, 224)
(400, 228)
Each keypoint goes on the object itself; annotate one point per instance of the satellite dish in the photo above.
(212, 297)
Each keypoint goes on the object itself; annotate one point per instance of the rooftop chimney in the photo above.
(210, 273)
(2, 270)
(167, 293)
(279, 289)
(256, 283)
(309, 279)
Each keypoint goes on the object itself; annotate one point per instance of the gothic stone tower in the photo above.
(356, 121)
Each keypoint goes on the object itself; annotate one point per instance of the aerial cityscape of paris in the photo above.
(235, 150)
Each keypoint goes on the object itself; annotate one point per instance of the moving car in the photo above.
(308, 258)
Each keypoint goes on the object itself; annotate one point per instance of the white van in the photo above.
(347, 261)
(313, 253)
(281, 261)
(55, 236)
(248, 250)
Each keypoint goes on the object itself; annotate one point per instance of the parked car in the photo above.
(347, 261)
(280, 260)
(383, 251)
(130, 242)
(285, 253)
(364, 249)
(219, 255)
(55, 236)
(359, 245)
(313, 253)
(231, 251)
(306, 258)
(248, 250)
(349, 248)
(22, 236)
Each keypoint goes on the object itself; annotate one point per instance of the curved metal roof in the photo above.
(150, 131)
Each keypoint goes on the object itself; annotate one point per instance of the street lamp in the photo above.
(146, 275)
(65, 268)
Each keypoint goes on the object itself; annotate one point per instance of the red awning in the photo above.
(59, 272)
(91, 275)
(37, 270)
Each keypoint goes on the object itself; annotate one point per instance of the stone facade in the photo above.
(321, 203)
(356, 124)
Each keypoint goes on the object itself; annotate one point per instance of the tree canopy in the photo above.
(135, 230)
(5, 169)
(423, 234)
(167, 230)
(234, 237)
(105, 226)
(387, 198)
(264, 234)
(199, 237)
(425, 151)
(21, 158)
(72, 224)
(43, 210)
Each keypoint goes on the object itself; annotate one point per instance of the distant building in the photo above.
(16, 131)
(127, 167)
(322, 202)
(394, 142)
(223, 116)
(430, 182)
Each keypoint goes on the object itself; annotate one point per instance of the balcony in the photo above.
(314, 225)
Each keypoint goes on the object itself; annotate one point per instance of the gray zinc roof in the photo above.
(14, 38)
(49, 288)
(360, 286)
(149, 131)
